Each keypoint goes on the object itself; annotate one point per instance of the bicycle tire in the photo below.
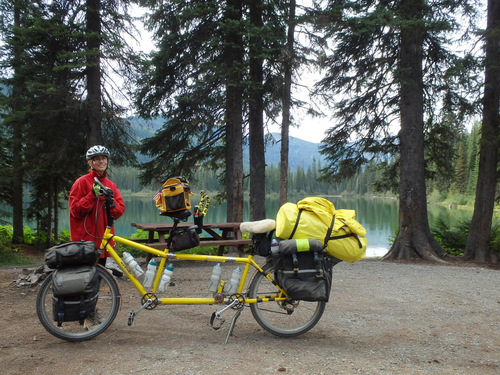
(282, 318)
(107, 307)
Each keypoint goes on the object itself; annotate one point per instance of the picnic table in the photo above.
(219, 234)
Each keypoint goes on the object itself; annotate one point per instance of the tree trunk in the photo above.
(287, 97)
(414, 239)
(234, 121)
(17, 136)
(478, 241)
(256, 116)
(56, 212)
(94, 72)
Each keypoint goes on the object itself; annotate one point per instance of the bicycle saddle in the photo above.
(260, 226)
(179, 215)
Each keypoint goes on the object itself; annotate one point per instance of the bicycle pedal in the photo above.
(219, 319)
(131, 317)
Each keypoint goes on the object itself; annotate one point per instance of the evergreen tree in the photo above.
(472, 159)
(386, 53)
(477, 246)
(461, 170)
(16, 17)
(209, 95)
(256, 111)
(46, 49)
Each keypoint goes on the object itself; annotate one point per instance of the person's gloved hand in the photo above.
(108, 192)
(97, 189)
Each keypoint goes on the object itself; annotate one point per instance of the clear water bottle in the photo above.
(235, 281)
(165, 278)
(215, 278)
(132, 265)
(150, 274)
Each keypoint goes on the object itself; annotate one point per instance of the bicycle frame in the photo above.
(165, 254)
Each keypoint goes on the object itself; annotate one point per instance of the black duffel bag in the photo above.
(304, 270)
(71, 254)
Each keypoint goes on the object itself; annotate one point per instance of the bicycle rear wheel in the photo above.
(282, 318)
(108, 304)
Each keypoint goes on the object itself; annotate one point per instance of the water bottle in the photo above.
(215, 278)
(150, 274)
(132, 265)
(275, 247)
(165, 278)
(235, 281)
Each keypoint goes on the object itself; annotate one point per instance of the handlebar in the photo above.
(104, 190)
(108, 201)
(96, 180)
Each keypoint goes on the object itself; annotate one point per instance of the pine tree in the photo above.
(386, 53)
(478, 241)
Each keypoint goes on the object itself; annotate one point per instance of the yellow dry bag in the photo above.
(315, 217)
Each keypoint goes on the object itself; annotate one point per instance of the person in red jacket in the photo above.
(87, 217)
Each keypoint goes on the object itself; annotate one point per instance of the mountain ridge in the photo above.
(302, 153)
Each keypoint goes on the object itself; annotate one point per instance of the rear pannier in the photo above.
(75, 293)
(303, 269)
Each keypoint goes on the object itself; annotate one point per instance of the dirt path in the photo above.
(382, 318)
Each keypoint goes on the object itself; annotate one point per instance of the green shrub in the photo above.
(451, 239)
(12, 255)
(454, 239)
(64, 236)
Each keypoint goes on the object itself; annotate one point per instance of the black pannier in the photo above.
(70, 254)
(304, 270)
(75, 293)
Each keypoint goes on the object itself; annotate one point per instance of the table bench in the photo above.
(230, 235)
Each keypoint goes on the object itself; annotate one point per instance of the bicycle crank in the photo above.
(150, 301)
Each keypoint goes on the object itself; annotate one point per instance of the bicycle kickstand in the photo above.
(218, 315)
(133, 314)
(231, 327)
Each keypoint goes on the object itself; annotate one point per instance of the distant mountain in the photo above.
(302, 153)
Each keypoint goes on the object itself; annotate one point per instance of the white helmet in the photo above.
(96, 151)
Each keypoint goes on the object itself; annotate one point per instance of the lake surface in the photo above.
(378, 215)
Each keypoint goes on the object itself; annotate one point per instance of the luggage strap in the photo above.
(347, 235)
(296, 267)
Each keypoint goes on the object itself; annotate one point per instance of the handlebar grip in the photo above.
(96, 180)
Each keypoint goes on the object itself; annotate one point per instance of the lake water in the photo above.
(378, 215)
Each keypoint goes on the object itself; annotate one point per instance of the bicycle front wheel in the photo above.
(108, 304)
(282, 318)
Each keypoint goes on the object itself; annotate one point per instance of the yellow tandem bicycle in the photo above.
(270, 306)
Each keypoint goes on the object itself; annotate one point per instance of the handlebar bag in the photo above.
(70, 254)
(75, 293)
(174, 196)
(303, 269)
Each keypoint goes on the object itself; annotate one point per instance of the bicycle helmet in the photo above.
(96, 151)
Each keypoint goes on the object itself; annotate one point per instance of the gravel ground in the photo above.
(382, 318)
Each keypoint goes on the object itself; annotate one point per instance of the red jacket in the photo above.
(87, 217)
